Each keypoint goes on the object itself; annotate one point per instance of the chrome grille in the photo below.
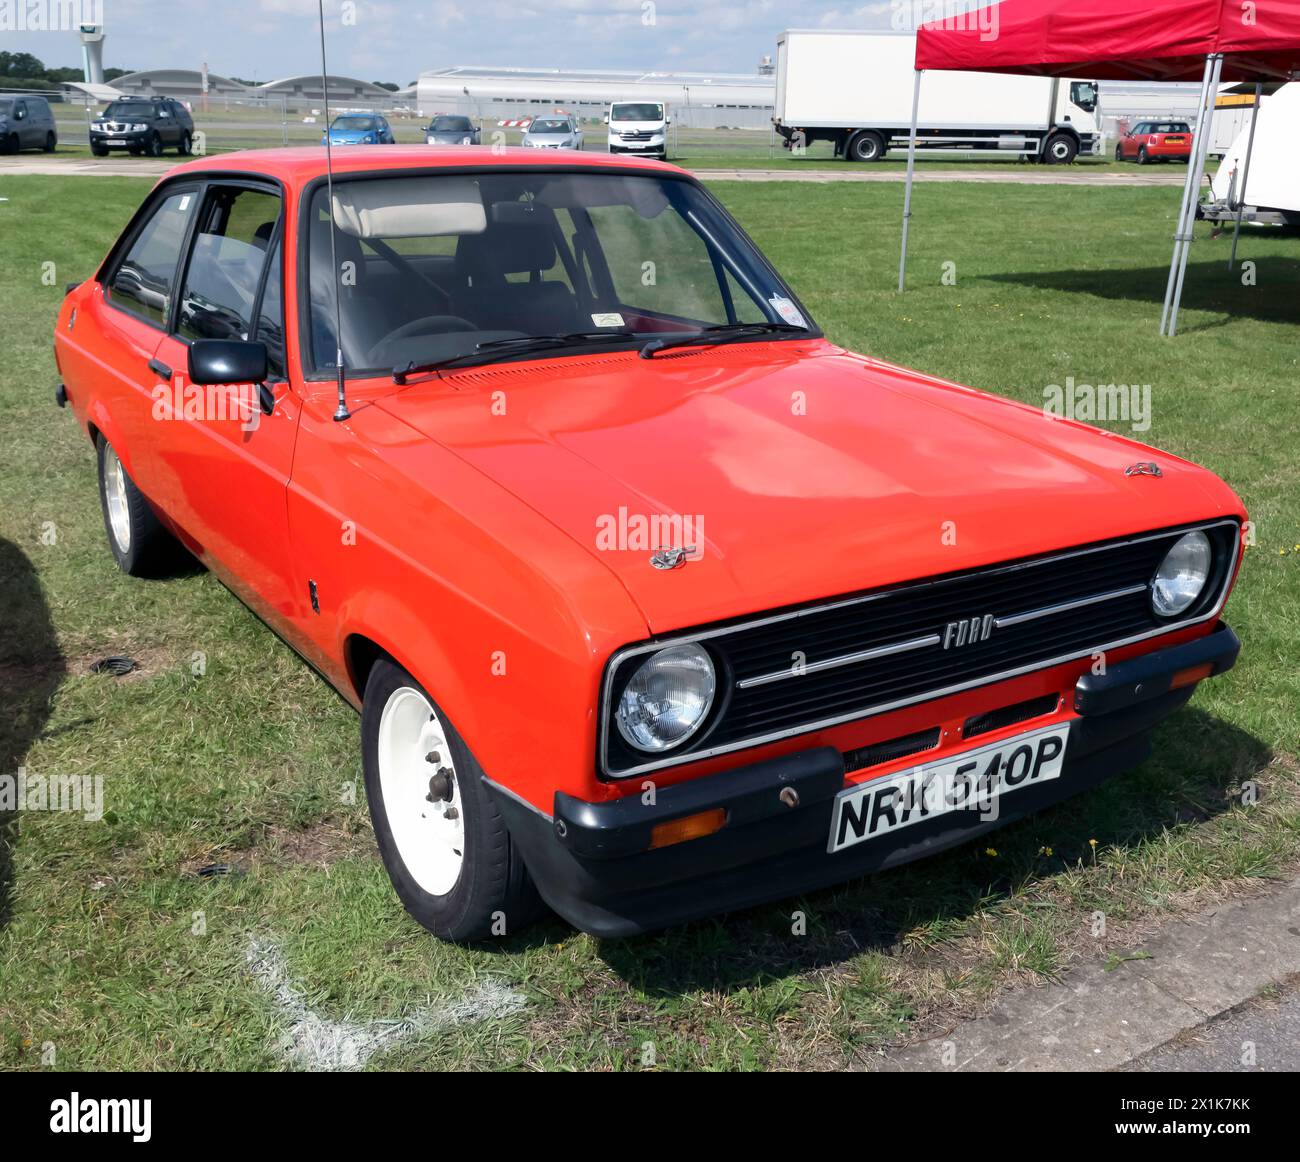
(805, 668)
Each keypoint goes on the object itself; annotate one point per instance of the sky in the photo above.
(395, 40)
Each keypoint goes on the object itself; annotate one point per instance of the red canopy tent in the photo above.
(1148, 40)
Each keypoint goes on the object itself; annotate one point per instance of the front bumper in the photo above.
(134, 140)
(592, 863)
(655, 147)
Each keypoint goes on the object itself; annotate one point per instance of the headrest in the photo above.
(519, 240)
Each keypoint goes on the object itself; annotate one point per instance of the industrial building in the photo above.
(699, 100)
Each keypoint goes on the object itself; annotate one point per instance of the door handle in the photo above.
(160, 369)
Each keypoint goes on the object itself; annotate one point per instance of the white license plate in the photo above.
(115, 141)
(973, 781)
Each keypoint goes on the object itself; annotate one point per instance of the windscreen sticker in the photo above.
(608, 319)
(787, 310)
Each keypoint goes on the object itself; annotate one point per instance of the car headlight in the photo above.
(667, 698)
(139, 127)
(1182, 575)
(467, 141)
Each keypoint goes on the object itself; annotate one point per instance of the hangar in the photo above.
(699, 100)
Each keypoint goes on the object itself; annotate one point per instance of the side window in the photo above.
(270, 317)
(225, 267)
(143, 281)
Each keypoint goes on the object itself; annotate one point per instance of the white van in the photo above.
(638, 127)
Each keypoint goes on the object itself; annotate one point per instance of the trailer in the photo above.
(854, 89)
(1259, 181)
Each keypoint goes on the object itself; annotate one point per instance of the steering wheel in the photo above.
(427, 325)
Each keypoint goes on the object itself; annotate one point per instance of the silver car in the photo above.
(450, 129)
(553, 133)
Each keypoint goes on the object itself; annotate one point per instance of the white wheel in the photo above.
(115, 499)
(452, 861)
(140, 543)
(423, 804)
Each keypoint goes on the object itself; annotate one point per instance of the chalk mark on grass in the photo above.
(316, 1043)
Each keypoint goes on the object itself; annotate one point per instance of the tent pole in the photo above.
(911, 166)
(1245, 173)
(1202, 152)
(1189, 188)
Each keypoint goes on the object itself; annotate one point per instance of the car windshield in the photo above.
(551, 125)
(1171, 127)
(359, 124)
(435, 265)
(119, 110)
(636, 112)
(450, 125)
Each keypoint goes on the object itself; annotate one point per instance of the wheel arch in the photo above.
(100, 423)
(421, 656)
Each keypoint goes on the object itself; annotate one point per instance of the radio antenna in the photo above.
(341, 412)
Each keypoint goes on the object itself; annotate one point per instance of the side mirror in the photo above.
(227, 361)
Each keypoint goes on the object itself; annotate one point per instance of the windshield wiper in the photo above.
(721, 333)
(515, 344)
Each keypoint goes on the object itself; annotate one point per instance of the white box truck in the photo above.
(854, 89)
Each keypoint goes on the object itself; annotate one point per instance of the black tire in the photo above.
(150, 549)
(98, 151)
(1143, 157)
(1119, 152)
(1061, 149)
(50, 142)
(186, 146)
(493, 881)
(154, 146)
(11, 143)
(865, 146)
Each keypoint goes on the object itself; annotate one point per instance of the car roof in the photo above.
(298, 165)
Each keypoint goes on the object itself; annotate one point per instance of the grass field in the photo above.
(224, 749)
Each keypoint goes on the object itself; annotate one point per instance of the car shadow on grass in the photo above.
(1198, 763)
(31, 668)
(1209, 286)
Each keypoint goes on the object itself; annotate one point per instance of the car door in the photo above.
(111, 340)
(165, 124)
(21, 124)
(224, 465)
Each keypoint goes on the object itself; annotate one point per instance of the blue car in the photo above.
(359, 129)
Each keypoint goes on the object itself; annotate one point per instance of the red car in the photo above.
(1151, 141)
(654, 602)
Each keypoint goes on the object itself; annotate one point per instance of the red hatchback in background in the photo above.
(1151, 141)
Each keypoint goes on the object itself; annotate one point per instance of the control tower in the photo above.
(92, 53)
